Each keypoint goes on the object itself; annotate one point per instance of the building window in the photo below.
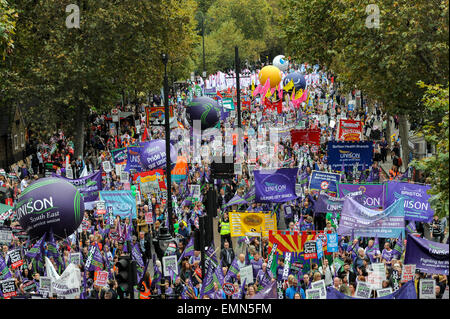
(16, 143)
(22, 140)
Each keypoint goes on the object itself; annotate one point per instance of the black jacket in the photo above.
(223, 257)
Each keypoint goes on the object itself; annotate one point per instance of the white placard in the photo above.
(124, 177)
(427, 289)
(408, 272)
(384, 292)
(170, 262)
(313, 294)
(107, 166)
(363, 290)
(195, 190)
(69, 172)
(321, 286)
(75, 258)
(45, 284)
(247, 273)
(118, 169)
(298, 189)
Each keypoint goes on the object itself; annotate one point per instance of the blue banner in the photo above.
(123, 203)
(332, 243)
(275, 185)
(323, 181)
(349, 153)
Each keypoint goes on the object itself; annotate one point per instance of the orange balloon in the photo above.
(270, 72)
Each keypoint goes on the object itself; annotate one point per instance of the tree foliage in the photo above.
(436, 131)
(411, 44)
(8, 18)
(253, 26)
(72, 72)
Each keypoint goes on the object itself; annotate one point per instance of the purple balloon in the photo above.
(50, 204)
(204, 109)
(153, 154)
(298, 79)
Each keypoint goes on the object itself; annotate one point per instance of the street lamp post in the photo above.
(203, 41)
(165, 59)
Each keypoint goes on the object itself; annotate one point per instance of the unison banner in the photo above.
(349, 130)
(428, 256)
(275, 186)
(328, 204)
(358, 220)
(323, 181)
(133, 158)
(119, 156)
(417, 206)
(372, 195)
(308, 136)
(88, 186)
(349, 154)
(123, 203)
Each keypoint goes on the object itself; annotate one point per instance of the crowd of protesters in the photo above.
(341, 270)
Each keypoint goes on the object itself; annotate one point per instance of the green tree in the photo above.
(74, 72)
(8, 18)
(436, 131)
(411, 44)
(251, 25)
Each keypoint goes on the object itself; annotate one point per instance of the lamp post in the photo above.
(203, 42)
(165, 59)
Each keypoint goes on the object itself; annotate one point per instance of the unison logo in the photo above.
(272, 187)
(38, 206)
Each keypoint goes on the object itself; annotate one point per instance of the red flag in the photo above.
(279, 106)
(115, 143)
(145, 135)
(219, 95)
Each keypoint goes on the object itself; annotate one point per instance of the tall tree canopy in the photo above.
(71, 72)
(411, 44)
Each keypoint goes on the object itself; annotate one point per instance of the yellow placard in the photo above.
(252, 224)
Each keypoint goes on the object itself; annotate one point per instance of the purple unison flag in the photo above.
(365, 222)
(372, 194)
(417, 206)
(36, 250)
(268, 292)
(4, 270)
(428, 256)
(236, 200)
(328, 204)
(94, 260)
(133, 158)
(275, 186)
(153, 154)
(88, 186)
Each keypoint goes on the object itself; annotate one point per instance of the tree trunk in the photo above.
(404, 136)
(79, 132)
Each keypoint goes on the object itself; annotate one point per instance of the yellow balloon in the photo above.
(270, 72)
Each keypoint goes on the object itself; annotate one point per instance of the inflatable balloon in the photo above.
(133, 189)
(204, 109)
(153, 154)
(298, 79)
(50, 204)
(280, 62)
(270, 72)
